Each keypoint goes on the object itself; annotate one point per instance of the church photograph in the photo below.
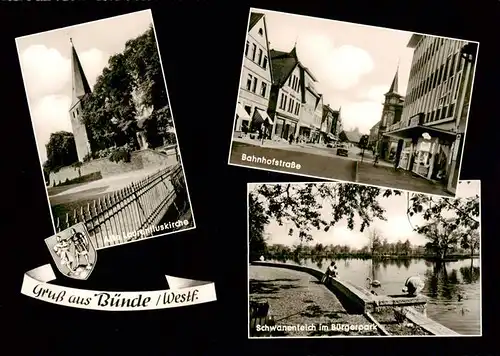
(322, 98)
(104, 131)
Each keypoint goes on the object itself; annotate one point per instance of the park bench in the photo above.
(259, 315)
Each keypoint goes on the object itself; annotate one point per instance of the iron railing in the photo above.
(130, 213)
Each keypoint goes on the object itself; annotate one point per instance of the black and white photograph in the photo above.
(353, 103)
(104, 130)
(339, 259)
(73, 252)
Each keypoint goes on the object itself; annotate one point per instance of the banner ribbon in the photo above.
(181, 292)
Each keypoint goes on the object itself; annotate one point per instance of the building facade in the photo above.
(435, 110)
(80, 91)
(256, 77)
(287, 93)
(312, 110)
(386, 146)
(330, 123)
(374, 137)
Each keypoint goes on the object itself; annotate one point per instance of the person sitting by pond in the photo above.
(331, 272)
(413, 286)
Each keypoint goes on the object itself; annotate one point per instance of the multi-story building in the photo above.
(312, 111)
(374, 137)
(337, 126)
(256, 77)
(435, 110)
(287, 93)
(330, 123)
(386, 146)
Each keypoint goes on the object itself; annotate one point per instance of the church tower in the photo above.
(80, 91)
(391, 114)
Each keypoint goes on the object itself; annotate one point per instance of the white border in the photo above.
(171, 113)
(357, 336)
(252, 9)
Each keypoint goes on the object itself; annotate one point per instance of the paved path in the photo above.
(400, 179)
(312, 164)
(297, 298)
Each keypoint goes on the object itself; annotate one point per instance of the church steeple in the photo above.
(80, 84)
(394, 86)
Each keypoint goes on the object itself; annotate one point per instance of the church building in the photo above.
(391, 115)
(80, 91)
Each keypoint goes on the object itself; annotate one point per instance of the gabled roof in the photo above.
(254, 18)
(284, 63)
(375, 126)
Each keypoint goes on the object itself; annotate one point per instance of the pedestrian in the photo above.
(290, 138)
(331, 272)
(375, 161)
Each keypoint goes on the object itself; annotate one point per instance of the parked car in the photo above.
(342, 150)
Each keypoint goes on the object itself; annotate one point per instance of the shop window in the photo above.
(443, 112)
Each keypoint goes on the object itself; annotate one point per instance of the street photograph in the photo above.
(104, 131)
(353, 103)
(333, 259)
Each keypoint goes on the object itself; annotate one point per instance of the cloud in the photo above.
(45, 70)
(93, 62)
(50, 114)
(47, 76)
(338, 67)
(363, 115)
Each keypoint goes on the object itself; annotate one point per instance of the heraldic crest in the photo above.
(73, 252)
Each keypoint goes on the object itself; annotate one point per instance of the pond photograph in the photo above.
(377, 243)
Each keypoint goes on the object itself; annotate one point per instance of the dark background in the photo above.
(201, 44)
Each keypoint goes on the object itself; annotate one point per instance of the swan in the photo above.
(413, 285)
(374, 282)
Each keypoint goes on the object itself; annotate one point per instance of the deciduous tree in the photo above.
(61, 151)
(303, 205)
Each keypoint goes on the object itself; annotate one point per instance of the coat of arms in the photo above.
(73, 252)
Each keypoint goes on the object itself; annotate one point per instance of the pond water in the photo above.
(445, 284)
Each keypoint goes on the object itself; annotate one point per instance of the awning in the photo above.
(417, 131)
(241, 112)
(261, 116)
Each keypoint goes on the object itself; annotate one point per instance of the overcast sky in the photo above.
(46, 67)
(397, 227)
(354, 64)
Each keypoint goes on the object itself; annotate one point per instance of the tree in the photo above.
(464, 210)
(257, 223)
(109, 113)
(131, 83)
(442, 235)
(143, 62)
(302, 205)
(375, 242)
(407, 247)
(61, 151)
(343, 137)
(471, 242)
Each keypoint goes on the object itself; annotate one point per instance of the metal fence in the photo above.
(131, 213)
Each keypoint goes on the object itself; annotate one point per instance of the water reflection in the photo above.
(453, 287)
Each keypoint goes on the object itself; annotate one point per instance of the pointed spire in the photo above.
(394, 85)
(79, 81)
(293, 52)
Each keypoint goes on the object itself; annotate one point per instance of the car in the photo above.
(342, 150)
